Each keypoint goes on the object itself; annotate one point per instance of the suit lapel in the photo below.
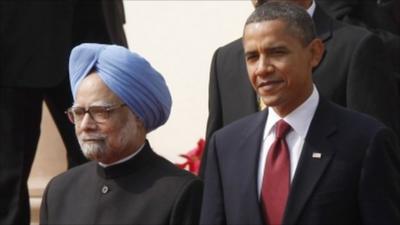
(315, 157)
(248, 169)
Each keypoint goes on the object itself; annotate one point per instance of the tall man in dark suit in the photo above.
(377, 16)
(35, 40)
(119, 98)
(371, 14)
(351, 74)
(303, 160)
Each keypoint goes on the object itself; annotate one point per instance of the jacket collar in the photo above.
(141, 160)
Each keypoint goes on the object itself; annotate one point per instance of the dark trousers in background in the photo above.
(20, 119)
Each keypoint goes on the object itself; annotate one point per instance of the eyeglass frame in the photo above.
(107, 109)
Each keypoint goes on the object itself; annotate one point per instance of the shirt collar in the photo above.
(123, 159)
(299, 119)
(311, 9)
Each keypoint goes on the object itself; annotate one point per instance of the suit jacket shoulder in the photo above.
(228, 68)
(234, 47)
(357, 154)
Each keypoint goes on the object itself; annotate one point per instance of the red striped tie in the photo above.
(276, 181)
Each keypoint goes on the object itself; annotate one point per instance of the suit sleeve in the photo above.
(43, 207)
(214, 121)
(371, 86)
(212, 211)
(99, 21)
(187, 207)
(114, 16)
(380, 181)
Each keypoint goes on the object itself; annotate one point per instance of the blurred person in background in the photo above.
(36, 38)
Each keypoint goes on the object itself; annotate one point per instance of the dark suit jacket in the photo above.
(366, 13)
(36, 37)
(378, 18)
(105, 19)
(144, 190)
(351, 74)
(356, 181)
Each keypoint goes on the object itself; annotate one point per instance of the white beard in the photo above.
(101, 150)
(93, 151)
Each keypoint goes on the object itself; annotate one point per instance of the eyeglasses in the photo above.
(100, 114)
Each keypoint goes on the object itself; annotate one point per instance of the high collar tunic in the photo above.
(146, 189)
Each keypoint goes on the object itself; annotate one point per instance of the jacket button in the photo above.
(105, 189)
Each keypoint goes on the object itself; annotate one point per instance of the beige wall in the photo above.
(50, 159)
(179, 38)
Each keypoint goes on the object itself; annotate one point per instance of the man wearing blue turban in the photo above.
(118, 98)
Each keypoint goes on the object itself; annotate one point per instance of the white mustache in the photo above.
(93, 137)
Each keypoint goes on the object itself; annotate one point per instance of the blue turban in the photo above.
(128, 75)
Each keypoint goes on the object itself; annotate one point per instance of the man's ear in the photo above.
(317, 49)
(141, 127)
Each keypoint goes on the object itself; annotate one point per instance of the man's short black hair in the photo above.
(299, 22)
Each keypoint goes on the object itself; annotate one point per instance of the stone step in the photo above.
(36, 188)
(35, 209)
(50, 160)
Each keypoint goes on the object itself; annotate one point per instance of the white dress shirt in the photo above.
(299, 120)
(311, 9)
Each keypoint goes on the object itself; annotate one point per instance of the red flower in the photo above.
(193, 158)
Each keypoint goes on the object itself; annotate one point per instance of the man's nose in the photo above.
(87, 122)
(264, 67)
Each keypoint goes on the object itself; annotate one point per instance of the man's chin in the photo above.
(93, 151)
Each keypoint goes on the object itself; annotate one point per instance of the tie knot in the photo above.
(281, 129)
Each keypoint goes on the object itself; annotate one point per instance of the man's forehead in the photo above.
(264, 29)
(101, 102)
(93, 82)
(93, 91)
(269, 45)
(270, 41)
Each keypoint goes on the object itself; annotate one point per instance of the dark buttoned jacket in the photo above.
(147, 189)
